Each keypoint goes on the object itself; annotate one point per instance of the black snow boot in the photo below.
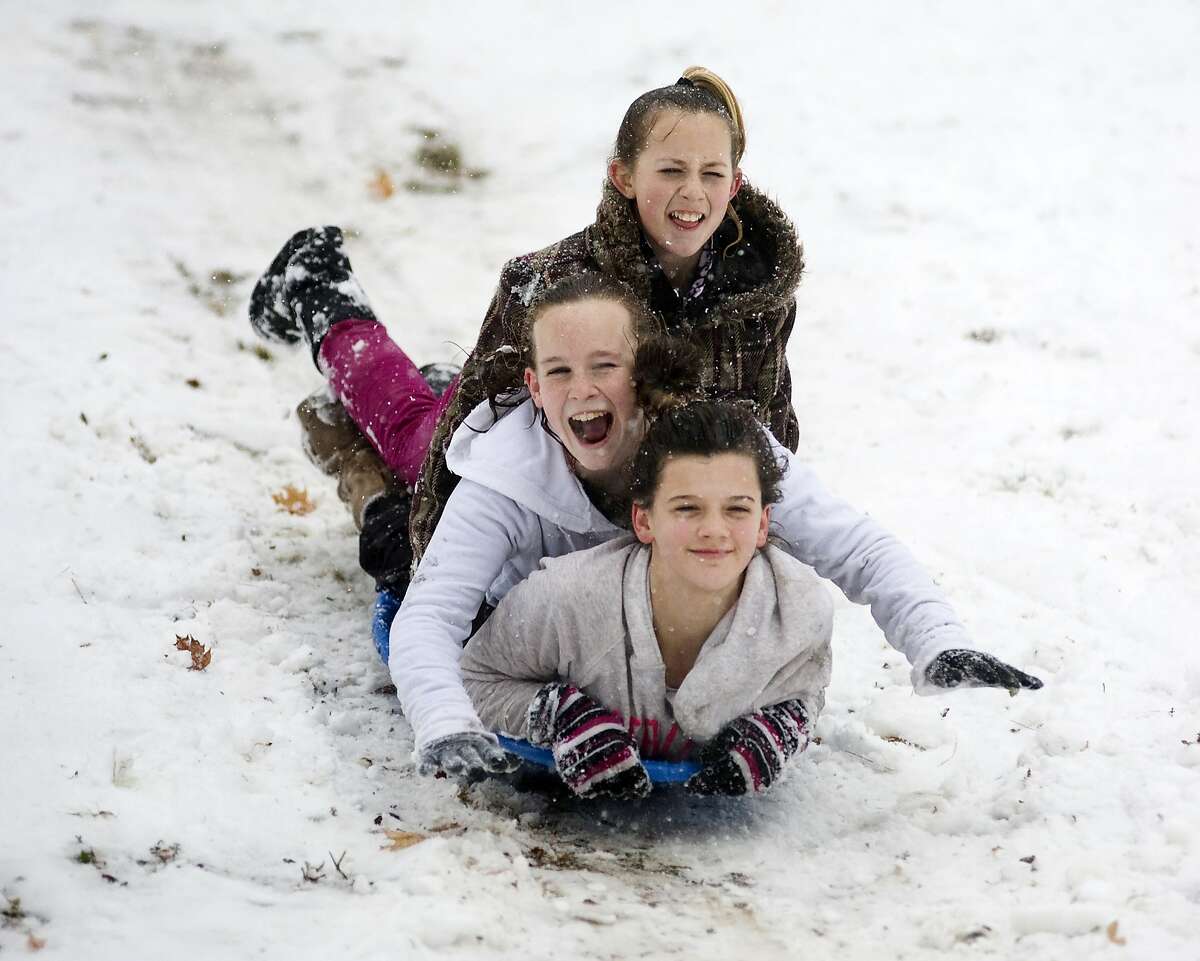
(308, 288)
(384, 548)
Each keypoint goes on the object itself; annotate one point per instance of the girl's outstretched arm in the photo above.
(479, 535)
(872, 567)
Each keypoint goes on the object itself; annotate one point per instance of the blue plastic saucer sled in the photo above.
(661, 772)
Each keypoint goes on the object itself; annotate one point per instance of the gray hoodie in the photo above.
(519, 502)
(586, 618)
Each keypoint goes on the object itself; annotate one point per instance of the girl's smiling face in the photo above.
(682, 182)
(705, 521)
(582, 379)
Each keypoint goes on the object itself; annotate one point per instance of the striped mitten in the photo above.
(749, 753)
(594, 753)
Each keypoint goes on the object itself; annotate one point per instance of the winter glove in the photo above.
(460, 755)
(749, 753)
(308, 288)
(384, 549)
(964, 668)
(594, 753)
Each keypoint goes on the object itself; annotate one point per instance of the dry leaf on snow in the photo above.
(294, 500)
(1112, 934)
(201, 655)
(399, 840)
(381, 185)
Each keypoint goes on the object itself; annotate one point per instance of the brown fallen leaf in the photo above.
(1112, 934)
(399, 840)
(294, 500)
(381, 186)
(35, 943)
(201, 655)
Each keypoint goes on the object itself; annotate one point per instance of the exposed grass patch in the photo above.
(441, 163)
(216, 291)
(258, 350)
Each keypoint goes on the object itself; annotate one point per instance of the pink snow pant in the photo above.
(383, 392)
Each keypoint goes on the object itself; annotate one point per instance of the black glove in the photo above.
(749, 753)
(461, 755)
(965, 668)
(384, 549)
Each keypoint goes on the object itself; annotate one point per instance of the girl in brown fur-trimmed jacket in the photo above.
(715, 260)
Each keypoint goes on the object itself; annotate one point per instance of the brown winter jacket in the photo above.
(741, 321)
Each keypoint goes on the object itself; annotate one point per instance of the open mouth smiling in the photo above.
(591, 427)
(686, 220)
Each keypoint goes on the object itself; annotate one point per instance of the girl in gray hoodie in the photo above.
(691, 638)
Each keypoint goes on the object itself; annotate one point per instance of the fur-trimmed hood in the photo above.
(762, 271)
(739, 322)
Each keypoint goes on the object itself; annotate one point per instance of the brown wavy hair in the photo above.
(502, 371)
(704, 428)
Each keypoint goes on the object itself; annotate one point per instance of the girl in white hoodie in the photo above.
(527, 493)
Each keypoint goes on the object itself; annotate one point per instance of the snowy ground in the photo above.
(997, 355)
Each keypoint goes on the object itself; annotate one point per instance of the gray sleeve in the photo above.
(513, 655)
(804, 678)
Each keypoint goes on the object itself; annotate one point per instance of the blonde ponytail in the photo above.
(706, 79)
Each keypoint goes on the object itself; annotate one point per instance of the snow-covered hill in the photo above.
(997, 355)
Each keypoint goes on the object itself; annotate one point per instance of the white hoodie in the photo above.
(518, 502)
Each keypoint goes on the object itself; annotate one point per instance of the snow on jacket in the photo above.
(518, 502)
(740, 321)
(586, 618)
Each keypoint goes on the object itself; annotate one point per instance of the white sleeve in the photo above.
(869, 565)
(479, 531)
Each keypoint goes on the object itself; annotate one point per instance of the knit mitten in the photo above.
(749, 753)
(308, 288)
(965, 668)
(594, 753)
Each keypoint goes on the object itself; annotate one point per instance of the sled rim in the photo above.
(661, 772)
